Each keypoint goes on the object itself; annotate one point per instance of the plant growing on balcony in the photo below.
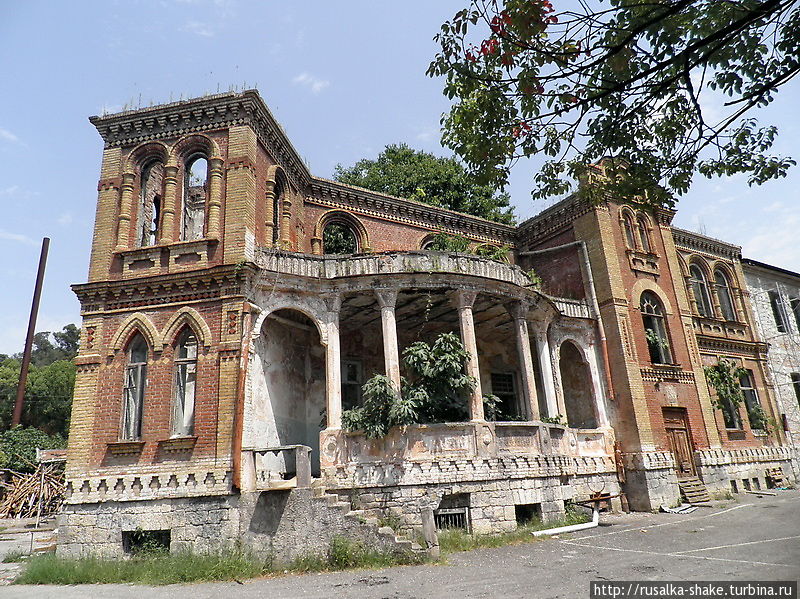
(498, 253)
(443, 242)
(381, 409)
(557, 419)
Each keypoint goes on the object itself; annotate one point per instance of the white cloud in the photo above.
(199, 28)
(313, 83)
(18, 237)
(65, 219)
(9, 191)
(7, 135)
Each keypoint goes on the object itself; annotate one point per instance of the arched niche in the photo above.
(576, 384)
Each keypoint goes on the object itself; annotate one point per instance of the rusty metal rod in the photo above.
(26, 356)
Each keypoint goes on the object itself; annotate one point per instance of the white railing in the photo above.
(571, 307)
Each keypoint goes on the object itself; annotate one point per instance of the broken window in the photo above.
(194, 197)
(351, 384)
(778, 311)
(627, 223)
(794, 304)
(755, 413)
(697, 280)
(503, 387)
(795, 376)
(339, 238)
(133, 392)
(724, 295)
(185, 376)
(644, 234)
(138, 542)
(655, 328)
(149, 215)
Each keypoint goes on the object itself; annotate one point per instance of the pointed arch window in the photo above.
(644, 234)
(185, 384)
(195, 192)
(724, 295)
(627, 224)
(697, 279)
(150, 194)
(134, 389)
(655, 328)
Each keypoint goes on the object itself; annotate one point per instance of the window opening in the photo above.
(795, 376)
(504, 388)
(778, 311)
(630, 239)
(135, 383)
(351, 384)
(794, 304)
(724, 295)
(644, 235)
(185, 384)
(339, 238)
(525, 513)
(755, 413)
(453, 512)
(655, 328)
(150, 203)
(700, 289)
(138, 542)
(194, 198)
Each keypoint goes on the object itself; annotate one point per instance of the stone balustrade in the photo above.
(572, 307)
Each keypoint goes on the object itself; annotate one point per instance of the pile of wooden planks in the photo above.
(32, 495)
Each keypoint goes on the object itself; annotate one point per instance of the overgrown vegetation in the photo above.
(724, 377)
(456, 539)
(18, 447)
(156, 568)
(436, 390)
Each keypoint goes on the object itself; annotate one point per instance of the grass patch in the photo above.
(455, 540)
(185, 567)
(12, 557)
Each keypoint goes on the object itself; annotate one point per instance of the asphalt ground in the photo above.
(753, 538)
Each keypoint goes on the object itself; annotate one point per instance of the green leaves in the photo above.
(663, 87)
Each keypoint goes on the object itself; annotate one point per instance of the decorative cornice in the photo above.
(717, 344)
(333, 194)
(687, 240)
(556, 217)
(204, 114)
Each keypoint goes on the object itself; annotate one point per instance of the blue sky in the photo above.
(344, 79)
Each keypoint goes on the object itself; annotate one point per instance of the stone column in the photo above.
(215, 172)
(166, 232)
(286, 221)
(546, 368)
(333, 366)
(125, 208)
(518, 311)
(465, 301)
(387, 298)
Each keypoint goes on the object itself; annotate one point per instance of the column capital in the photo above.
(387, 298)
(465, 298)
(518, 309)
(333, 302)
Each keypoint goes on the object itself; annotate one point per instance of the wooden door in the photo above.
(680, 441)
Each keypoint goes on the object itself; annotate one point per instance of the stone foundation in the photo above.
(718, 467)
(650, 480)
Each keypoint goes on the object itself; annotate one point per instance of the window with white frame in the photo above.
(697, 280)
(724, 295)
(185, 385)
(134, 389)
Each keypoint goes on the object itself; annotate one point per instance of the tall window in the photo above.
(778, 311)
(655, 328)
(644, 234)
(185, 382)
(795, 376)
(627, 223)
(794, 304)
(755, 414)
(351, 384)
(724, 295)
(195, 191)
(149, 214)
(135, 383)
(697, 280)
(503, 387)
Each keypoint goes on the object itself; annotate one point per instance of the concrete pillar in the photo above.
(166, 231)
(215, 172)
(387, 298)
(465, 299)
(519, 311)
(333, 366)
(546, 368)
(125, 209)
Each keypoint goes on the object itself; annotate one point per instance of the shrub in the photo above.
(18, 447)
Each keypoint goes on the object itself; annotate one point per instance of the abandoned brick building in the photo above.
(221, 343)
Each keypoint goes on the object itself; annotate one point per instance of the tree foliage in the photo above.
(634, 81)
(407, 173)
(18, 447)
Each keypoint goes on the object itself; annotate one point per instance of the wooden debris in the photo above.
(32, 495)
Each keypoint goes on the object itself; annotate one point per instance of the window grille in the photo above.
(448, 518)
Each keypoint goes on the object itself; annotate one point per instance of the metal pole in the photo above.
(26, 356)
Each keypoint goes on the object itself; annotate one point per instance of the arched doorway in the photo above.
(576, 383)
(289, 393)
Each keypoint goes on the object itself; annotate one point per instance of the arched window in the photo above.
(644, 234)
(133, 392)
(724, 295)
(655, 328)
(149, 214)
(185, 381)
(627, 224)
(697, 279)
(195, 191)
(339, 238)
